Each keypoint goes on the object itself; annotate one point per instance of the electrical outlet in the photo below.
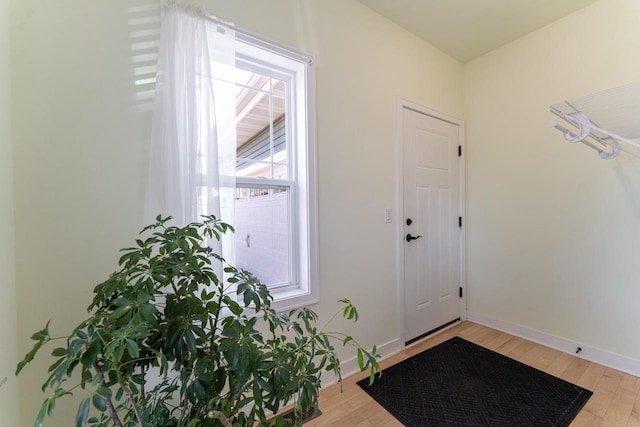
(387, 215)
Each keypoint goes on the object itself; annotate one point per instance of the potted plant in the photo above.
(177, 337)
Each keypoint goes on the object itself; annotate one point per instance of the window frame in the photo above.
(254, 53)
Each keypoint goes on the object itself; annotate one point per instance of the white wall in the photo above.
(80, 149)
(553, 231)
(8, 356)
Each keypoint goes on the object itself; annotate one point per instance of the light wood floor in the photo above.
(615, 400)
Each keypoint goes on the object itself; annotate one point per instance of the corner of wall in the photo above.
(8, 319)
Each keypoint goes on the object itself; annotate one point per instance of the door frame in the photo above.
(401, 104)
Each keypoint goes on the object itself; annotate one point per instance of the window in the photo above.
(274, 208)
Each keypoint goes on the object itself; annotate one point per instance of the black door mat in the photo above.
(459, 383)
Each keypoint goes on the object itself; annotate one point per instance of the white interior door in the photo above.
(432, 222)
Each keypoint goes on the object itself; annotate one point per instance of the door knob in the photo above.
(410, 237)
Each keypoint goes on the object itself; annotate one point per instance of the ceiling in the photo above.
(466, 29)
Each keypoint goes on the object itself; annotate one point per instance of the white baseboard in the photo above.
(350, 366)
(593, 354)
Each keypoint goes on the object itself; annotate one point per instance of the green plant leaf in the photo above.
(99, 402)
(83, 413)
(119, 312)
(132, 348)
(104, 392)
(59, 352)
(51, 406)
(90, 355)
(55, 364)
(199, 390)
(235, 308)
(42, 337)
(86, 376)
(41, 414)
(41, 334)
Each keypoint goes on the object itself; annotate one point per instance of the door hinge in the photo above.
(460, 221)
(460, 291)
(459, 150)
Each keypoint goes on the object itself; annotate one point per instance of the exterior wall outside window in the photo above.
(262, 236)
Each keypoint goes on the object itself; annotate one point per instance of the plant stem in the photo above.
(183, 412)
(217, 415)
(237, 396)
(129, 393)
(216, 316)
(110, 409)
(328, 322)
(142, 388)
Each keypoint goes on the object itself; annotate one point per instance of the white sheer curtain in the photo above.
(193, 141)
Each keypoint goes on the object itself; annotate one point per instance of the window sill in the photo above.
(286, 300)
